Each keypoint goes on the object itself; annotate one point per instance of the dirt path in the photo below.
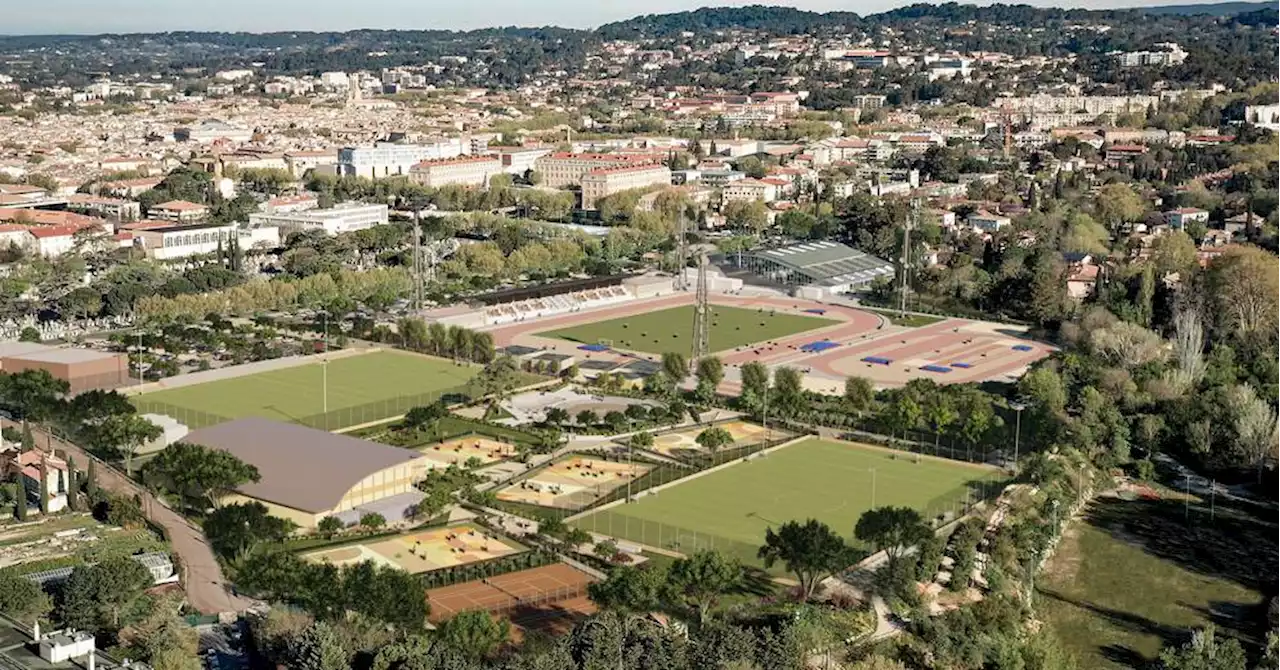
(203, 580)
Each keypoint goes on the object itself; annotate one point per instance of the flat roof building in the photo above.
(309, 474)
(83, 369)
(817, 267)
(343, 218)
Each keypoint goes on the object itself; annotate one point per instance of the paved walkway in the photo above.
(203, 580)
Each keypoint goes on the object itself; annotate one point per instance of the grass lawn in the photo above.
(830, 481)
(908, 321)
(671, 330)
(362, 388)
(1133, 576)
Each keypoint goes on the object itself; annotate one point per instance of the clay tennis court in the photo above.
(573, 483)
(462, 449)
(423, 551)
(521, 593)
(685, 441)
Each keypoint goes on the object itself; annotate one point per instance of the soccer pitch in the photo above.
(362, 388)
(832, 482)
(671, 330)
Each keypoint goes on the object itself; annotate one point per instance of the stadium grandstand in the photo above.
(816, 269)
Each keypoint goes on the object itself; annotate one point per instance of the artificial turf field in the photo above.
(360, 388)
(671, 329)
(829, 481)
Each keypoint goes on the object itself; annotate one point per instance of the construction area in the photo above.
(685, 442)
(573, 483)
(460, 451)
(423, 551)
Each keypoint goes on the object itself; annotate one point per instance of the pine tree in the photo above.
(91, 481)
(715, 151)
(73, 485)
(44, 487)
(21, 505)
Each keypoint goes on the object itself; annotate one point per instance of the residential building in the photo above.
(519, 160)
(180, 211)
(300, 162)
(567, 169)
(1123, 153)
(129, 188)
(117, 209)
(987, 222)
(291, 203)
(53, 241)
(35, 466)
(868, 101)
(387, 159)
(211, 130)
(343, 218)
(1179, 218)
(1264, 116)
(16, 235)
(462, 171)
(1170, 54)
(601, 182)
(750, 189)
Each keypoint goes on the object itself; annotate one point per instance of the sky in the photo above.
(119, 16)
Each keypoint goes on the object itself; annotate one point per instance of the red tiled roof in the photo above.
(180, 206)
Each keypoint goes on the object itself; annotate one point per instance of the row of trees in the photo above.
(377, 288)
(438, 339)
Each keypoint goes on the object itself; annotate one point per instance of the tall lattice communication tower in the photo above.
(682, 253)
(701, 315)
(419, 262)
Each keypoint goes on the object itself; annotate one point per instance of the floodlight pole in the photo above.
(1017, 434)
(324, 364)
(873, 488)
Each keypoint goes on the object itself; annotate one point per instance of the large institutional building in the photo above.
(462, 171)
(309, 474)
(389, 159)
(341, 219)
(601, 182)
(565, 169)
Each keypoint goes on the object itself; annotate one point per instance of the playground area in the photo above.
(684, 442)
(422, 551)
(832, 481)
(573, 483)
(461, 450)
(526, 596)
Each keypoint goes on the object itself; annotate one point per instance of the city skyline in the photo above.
(141, 16)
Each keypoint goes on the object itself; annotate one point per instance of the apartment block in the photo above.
(601, 182)
(565, 169)
(462, 171)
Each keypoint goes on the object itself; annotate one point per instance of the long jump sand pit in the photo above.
(462, 449)
(573, 483)
(684, 442)
(423, 551)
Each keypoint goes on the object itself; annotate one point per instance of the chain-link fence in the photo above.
(666, 536)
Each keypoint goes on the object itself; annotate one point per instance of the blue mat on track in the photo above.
(815, 311)
(936, 368)
(964, 366)
(820, 345)
(877, 360)
(1022, 347)
(594, 347)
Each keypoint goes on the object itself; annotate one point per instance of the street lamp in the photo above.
(1017, 432)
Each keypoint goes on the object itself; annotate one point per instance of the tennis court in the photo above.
(832, 481)
(504, 594)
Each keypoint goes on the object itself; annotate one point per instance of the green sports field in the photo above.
(362, 388)
(671, 330)
(830, 481)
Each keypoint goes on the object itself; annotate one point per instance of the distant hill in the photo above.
(1213, 9)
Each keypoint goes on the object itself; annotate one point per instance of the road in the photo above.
(206, 587)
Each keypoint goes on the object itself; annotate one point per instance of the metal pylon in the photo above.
(419, 262)
(682, 254)
(701, 316)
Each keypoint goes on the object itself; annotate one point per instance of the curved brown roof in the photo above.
(303, 468)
